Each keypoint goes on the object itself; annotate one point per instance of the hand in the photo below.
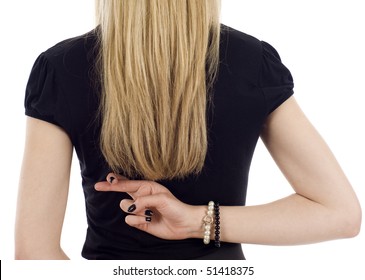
(170, 218)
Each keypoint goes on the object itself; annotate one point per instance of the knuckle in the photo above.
(164, 195)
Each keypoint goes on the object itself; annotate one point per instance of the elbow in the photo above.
(36, 246)
(354, 227)
(350, 224)
(22, 256)
(56, 255)
(25, 248)
(39, 253)
(22, 252)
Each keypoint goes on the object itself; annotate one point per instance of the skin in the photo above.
(322, 207)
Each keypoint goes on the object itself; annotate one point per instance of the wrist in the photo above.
(196, 229)
(197, 226)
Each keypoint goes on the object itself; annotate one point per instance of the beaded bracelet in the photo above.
(207, 222)
(217, 231)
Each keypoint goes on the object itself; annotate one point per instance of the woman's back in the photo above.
(251, 82)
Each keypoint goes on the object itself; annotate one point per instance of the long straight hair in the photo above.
(158, 60)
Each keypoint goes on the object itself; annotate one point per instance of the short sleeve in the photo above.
(41, 95)
(275, 80)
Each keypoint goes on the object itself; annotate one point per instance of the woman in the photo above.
(162, 94)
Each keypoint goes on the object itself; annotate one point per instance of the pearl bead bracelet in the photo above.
(207, 222)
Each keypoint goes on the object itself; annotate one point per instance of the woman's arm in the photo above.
(43, 191)
(323, 207)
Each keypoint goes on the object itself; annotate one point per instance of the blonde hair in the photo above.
(158, 59)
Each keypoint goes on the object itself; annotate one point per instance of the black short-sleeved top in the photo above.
(252, 82)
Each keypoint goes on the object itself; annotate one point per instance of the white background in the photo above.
(321, 42)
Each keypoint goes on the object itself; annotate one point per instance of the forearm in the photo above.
(289, 221)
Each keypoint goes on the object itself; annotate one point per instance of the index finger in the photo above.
(129, 186)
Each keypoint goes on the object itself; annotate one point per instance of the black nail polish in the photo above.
(111, 179)
(132, 208)
(148, 219)
(148, 213)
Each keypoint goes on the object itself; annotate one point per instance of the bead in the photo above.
(210, 213)
(211, 203)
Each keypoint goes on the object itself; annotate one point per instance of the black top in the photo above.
(251, 83)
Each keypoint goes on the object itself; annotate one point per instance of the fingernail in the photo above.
(148, 213)
(132, 208)
(148, 219)
(111, 179)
